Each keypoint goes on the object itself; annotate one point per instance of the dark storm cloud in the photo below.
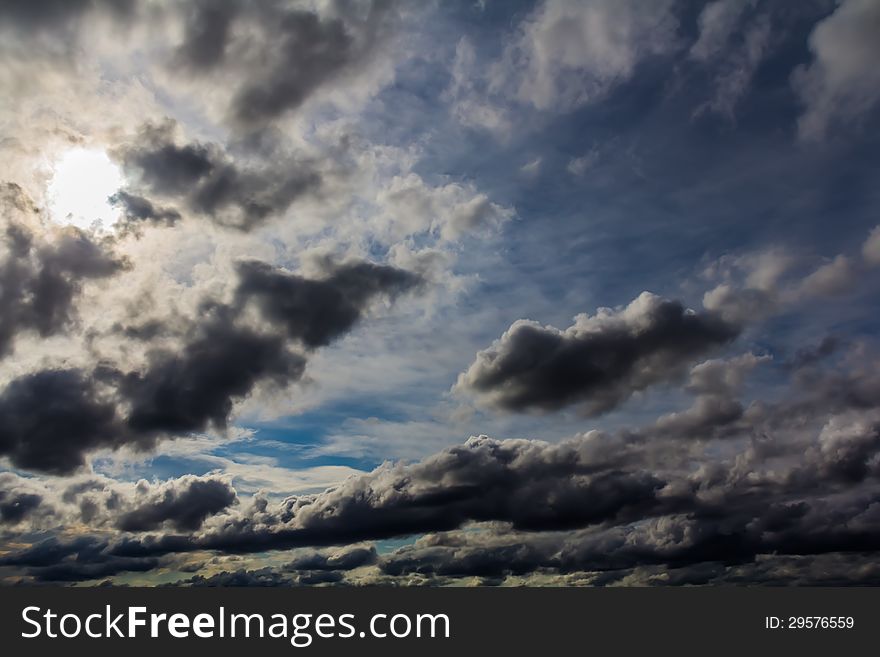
(612, 501)
(296, 52)
(613, 506)
(451, 561)
(40, 278)
(207, 181)
(700, 545)
(194, 387)
(598, 362)
(317, 312)
(80, 559)
(185, 506)
(533, 486)
(15, 507)
(49, 419)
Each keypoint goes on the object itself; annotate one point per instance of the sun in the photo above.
(79, 190)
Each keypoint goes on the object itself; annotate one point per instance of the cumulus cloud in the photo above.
(194, 385)
(758, 285)
(183, 503)
(598, 362)
(606, 505)
(842, 83)
(482, 480)
(262, 228)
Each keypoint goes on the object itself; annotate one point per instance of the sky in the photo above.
(343, 292)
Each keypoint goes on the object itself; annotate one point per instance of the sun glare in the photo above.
(82, 181)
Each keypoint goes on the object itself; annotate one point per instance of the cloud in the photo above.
(737, 66)
(408, 205)
(137, 208)
(871, 248)
(842, 83)
(193, 388)
(716, 411)
(467, 93)
(41, 275)
(276, 56)
(208, 181)
(717, 22)
(183, 503)
(193, 384)
(598, 362)
(833, 278)
(578, 166)
(14, 508)
(60, 16)
(759, 285)
(798, 478)
(48, 419)
(264, 577)
(316, 312)
(512, 481)
(346, 558)
(568, 54)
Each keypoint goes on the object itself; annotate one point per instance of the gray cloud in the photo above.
(41, 278)
(531, 485)
(841, 83)
(298, 51)
(207, 181)
(346, 559)
(802, 481)
(184, 505)
(598, 362)
(50, 419)
(316, 312)
(55, 17)
(194, 387)
(14, 508)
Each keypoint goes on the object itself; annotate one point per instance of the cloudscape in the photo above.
(342, 292)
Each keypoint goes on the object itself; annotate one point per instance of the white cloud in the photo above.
(871, 247)
(532, 168)
(571, 53)
(843, 81)
(717, 22)
(578, 166)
